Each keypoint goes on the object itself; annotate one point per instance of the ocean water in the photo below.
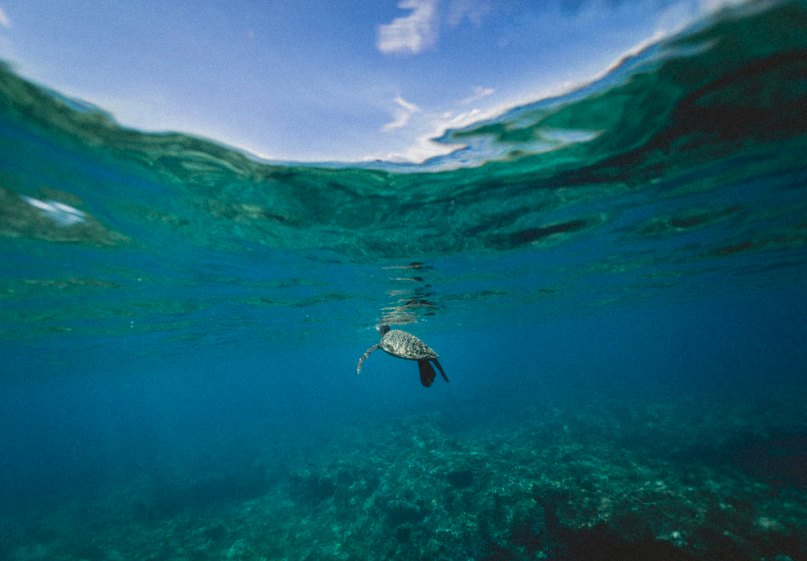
(615, 281)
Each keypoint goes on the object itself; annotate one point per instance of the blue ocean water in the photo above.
(615, 281)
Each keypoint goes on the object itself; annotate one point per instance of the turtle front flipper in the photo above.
(426, 373)
(440, 368)
(364, 357)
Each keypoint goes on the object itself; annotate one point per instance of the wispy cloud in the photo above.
(473, 10)
(430, 127)
(403, 113)
(413, 33)
(479, 93)
(4, 21)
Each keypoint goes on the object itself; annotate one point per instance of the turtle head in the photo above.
(382, 328)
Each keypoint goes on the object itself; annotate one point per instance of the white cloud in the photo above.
(479, 93)
(425, 127)
(424, 146)
(474, 10)
(4, 21)
(413, 33)
(403, 113)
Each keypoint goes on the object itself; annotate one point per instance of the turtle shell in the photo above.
(405, 345)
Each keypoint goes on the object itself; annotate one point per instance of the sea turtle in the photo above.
(404, 345)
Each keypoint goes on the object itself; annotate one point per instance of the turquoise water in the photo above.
(614, 280)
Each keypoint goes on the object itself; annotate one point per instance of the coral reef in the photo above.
(675, 480)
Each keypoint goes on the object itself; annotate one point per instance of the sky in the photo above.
(312, 80)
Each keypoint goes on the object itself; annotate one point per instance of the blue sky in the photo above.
(312, 80)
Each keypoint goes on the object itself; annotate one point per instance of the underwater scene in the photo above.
(586, 327)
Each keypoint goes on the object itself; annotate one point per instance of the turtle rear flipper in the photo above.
(364, 357)
(440, 368)
(427, 373)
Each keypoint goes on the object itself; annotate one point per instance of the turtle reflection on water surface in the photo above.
(405, 345)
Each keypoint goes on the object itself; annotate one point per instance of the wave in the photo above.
(732, 87)
(684, 159)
